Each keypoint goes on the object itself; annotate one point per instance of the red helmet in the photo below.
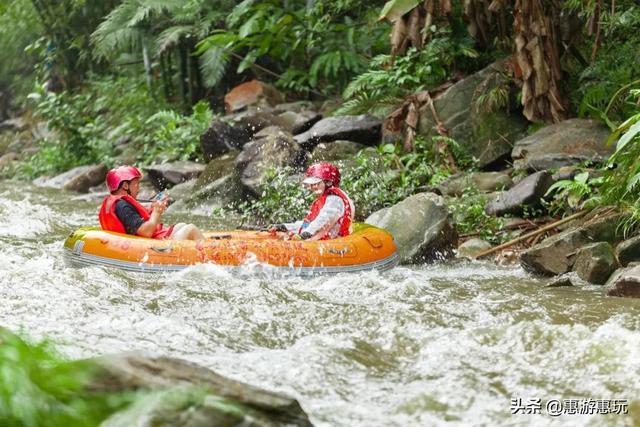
(123, 173)
(323, 171)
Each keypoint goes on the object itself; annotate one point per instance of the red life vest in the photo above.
(110, 221)
(317, 205)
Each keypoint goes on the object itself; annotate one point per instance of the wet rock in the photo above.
(250, 93)
(563, 144)
(487, 135)
(167, 175)
(7, 160)
(185, 394)
(182, 190)
(421, 227)
(336, 151)
(565, 173)
(221, 137)
(363, 129)
(526, 193)
(295, 107)
(483, 181)
(78, 179)
(595, 262)
(216, 169)
(276, 149)
(217, 194)
(628, 251)
(299, 122)
(16, 124)
(473, 247)
(624, 282)
(562, 281)
(556, 254)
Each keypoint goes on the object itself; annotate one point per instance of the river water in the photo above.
(429, 345)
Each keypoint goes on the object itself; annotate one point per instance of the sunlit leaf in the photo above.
(394, 9)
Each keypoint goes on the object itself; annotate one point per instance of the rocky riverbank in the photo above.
(512, 174)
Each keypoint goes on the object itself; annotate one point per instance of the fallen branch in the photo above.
(532, 234)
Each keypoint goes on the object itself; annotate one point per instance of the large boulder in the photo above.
(556, 254)
(336, 151)
(364, 129)
(472, 248)
(485, 182)
(221, 137)
(273, 149)
(526, 193)
(624, 282)
(487, 135)
(562, 144)
(299, 122)
(595, 262)
(421, 227)
(169, 174)
(218, 194)
(182, 393)
(251, 93)
(78, 179)
(628, 251)
(216, 169)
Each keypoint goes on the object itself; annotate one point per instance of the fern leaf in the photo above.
(213, 64)
(171, 36)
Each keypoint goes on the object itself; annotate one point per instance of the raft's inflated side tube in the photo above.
(367, 248)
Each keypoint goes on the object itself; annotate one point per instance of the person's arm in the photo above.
(330, 213)
(148, 227)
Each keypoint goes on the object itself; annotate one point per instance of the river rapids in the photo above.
(459, 343)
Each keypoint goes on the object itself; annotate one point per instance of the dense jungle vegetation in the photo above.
(155, 72)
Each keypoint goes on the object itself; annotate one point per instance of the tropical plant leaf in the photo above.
(394, 9)
(171, 36)
(627, 137)
(213, 63)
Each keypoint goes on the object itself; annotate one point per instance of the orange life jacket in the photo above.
(317, 205)
(109, 221)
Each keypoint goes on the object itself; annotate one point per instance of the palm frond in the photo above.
(171, 36)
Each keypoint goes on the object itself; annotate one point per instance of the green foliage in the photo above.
(470, 217)
(388, 81)
(604, 91)
(38, 388)
(178, 136)
(372, 180)
(570, 194)
(86, 124)
(19, 27)
(317, 48)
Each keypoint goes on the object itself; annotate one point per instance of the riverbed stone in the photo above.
(472, 247)
(222, 137)
(421, 227)
(251, 93)
(563, 144)
(364, 129)
(296, 107)
(595, 262)
(487, 135)
(273, 150)
(629, 251)
(624, 282)
(216, 169)
(183, 393)
(526, 193)
(78, 179)
(484, 182)
(218, 194)
(16, 124)
(335, 151)
(556, 254)
(299, 122)
(166, 175)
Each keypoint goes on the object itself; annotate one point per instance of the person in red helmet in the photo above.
(331, 214)
(121, 212)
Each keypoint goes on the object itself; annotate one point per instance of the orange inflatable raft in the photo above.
(367, 248)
